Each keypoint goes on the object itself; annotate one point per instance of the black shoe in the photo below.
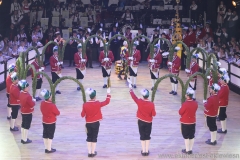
(218, 118)
(211, 143)
(147, 153)
(91, 67)
(134, 86)
(94, 154)
(14, 129)
(104, 86)
(52, 150)
(186, 152)
(171, 92)
(220, 131)
(125, 78)
(38, 99)
(152, 89)
(143, 154)
(78, 88)
(58, 92)
(8, 118)
(26, 142)
(175, 93)
(89, 155)
(119, 77)
(189, 152)
(194, 99)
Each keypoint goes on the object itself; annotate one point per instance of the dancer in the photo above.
(194, 67)
(27, 104)
(9, 82)
(174, 68)
(91, 110)
(14, 101)
(49, 112)
(56, 69)
(123, 53)
(38, 68)
(106, 60)
(154, 64)
(80, 63)
(223, 95)
(133, 62)
(145, 113)
(211, 109)
(188, 120)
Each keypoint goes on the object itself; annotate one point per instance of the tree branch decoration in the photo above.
(215, 66)
(44, 50)
(164, 77)
(186, 50)
(68, 78)
(202, 52)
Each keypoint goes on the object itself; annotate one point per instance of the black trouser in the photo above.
(131, 72)
(164, 62)
(8, 101)
(188, 130)
(89, 56)
(173, 81)
(26, 120)
(211, 123)
(79, 74)
(92, 131)
(222, 113)
(104, 72)
(145, 130)
(39, 83)
(183, 59)
(195, 85)
(71, 56)
(140, 47)
(55, 77)
(152, 75)
(49, 130)
(15, 109)
(115, 49)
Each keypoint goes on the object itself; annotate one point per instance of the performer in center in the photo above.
(80, 63)
(106, 60)
(174, 68)
(133, 62)
(154, 64)
(123, 53)
(56, 69)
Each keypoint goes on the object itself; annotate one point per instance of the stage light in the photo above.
(0, 2)
(236, 3)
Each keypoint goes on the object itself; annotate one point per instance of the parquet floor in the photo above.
(118, 137)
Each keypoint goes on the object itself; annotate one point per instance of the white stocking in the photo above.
(45, 141)
(37, 93)
(175, 87)
(153, 82)
(49, 144)
(134, 80)
(172, 86)
(105, 80)
(9, 111)
(131, 79)
(89, 146)
(12, 123)
(143, 143)
(187, 144)
(22, 133)
(147, 145)
(191, 144)
(26, 134)
(93, 147)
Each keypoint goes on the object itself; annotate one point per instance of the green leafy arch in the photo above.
(203, 53)
(165, 40)
(186, 50)
(45, 47)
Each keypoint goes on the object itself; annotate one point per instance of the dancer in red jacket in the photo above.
(9, 82)
(188, 120)
(145, 113)
(174, 68)
(91, 110)
(223, 95)
(14, 100)
(210, 112)
(27, 104)
(49, 112)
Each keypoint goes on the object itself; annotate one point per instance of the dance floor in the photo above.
(118, 136)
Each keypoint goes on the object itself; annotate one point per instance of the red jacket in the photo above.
(186, 39)
(92, 110)
(146, 108)
(136, 58)
(158, 61)
(211, 106)
(53, 64)
(194, 67)
(49, 112)
(14, 94)
(37, 67)
(191, 38)
(26, 103)
(176, 64)
(107, 64)
(205, 31)
(77, 59)
(188, 112)
(8, 83)
(223, 95)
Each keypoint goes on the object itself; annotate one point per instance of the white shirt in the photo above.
(236, 61)
(15, 7)
(21, 49)
(1, 45)
(193, 7)
(128, 16)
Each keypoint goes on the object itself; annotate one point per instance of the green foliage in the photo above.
(67, 42)
(69, 78)
(26, 70)
(45, 47)
(201, 51)
(215, 66)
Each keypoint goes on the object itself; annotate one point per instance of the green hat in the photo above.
(79, 46)
(91, 92)
(215, 87)
(222, 71)
(23, 84)
(14, 77)
(46, 94)
(190, 92)
(145, 93)
(11, 68)
(225, 78)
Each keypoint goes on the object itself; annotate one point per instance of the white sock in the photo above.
(12, 123)
(194, 96)
(175, 87)
(45, 141)
(131, 79)
(143, 143)
(191, 142)
(186, 144)
(134, 80)
(26, 134)
(223, 124)
(153, 82)
(147, 145)
(81, 81)
(105, 80)
(22, 133)
(57, 88)
(9, 111)
(218, 111)
(49, 144)
(212, 136)
(172, 86)
(89, 146)
(93, 147)
(37, 93)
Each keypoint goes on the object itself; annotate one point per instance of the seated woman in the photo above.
(221, 54)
